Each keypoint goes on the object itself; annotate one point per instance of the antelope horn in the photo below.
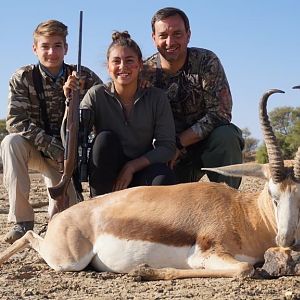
(275, 157)
(297, 157)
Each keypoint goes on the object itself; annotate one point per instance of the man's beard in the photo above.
(167, 56)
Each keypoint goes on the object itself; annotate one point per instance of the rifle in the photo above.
(59, 192)
(84, 145)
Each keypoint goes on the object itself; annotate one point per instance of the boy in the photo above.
(34, 121)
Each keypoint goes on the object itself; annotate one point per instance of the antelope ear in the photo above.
(239, 170)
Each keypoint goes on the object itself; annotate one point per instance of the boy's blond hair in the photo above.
(50, 28)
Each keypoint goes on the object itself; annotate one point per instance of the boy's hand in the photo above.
(71, 84)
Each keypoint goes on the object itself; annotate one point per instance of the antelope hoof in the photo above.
(143, 273)
(246, 271)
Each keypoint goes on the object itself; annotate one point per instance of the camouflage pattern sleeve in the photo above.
(90, 79)
(216, 95)
(148, 72)
(199, 92)
(23, 111)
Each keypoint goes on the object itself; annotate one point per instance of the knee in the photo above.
(106, 139)
(159, 174)
(106, 147)
(13, 142)
(227, 136)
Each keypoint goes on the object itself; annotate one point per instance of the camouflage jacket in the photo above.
(199, 93)
(24, 109)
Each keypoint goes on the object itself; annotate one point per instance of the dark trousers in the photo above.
(222, 147)
(107, 159)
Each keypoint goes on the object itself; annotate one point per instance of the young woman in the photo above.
(134, 127)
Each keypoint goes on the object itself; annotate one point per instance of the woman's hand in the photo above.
(126, 174)
(124, 178)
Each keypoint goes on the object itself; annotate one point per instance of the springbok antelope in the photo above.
(187, 230)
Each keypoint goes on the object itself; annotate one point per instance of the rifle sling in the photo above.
(38, 86)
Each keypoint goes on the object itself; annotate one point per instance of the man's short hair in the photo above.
(169, 12)
(51, 28)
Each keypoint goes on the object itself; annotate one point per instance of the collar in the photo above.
(47, 73)
(110, 89)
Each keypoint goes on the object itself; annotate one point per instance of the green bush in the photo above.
(262, 155)
(3, 131)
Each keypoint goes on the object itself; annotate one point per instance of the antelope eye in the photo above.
(276, 201)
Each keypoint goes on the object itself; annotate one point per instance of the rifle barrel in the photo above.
(79, 44)
(59, 191)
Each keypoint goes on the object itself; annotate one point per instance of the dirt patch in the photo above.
(27, 276)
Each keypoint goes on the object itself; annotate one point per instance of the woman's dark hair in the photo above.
(124, 39)
(170, 12)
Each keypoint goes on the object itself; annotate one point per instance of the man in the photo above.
(200, 97)
(36, 106)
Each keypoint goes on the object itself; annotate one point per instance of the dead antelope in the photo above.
(181, 231)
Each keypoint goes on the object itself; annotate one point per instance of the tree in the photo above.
(286, 125)
(250, 145)
(261, 154)
(282, 119)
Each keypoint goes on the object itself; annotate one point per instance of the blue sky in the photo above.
(257, 41)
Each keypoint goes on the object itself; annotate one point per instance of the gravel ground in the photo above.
(27, 276)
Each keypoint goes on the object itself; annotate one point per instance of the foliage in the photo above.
(261, 154)
(3, 131)
(286, 125)
(283, 119)
(250, 145)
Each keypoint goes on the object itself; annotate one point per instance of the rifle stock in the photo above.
(59, 192)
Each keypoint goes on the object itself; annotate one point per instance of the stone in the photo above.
(281, 261)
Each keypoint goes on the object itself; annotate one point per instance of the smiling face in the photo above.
(171, 39)
(123, 66)
(50, 51)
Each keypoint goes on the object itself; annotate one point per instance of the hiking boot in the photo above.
(18, 231)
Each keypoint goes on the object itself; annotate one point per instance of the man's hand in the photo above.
(183, 140)
(172, 163)
(145, 83)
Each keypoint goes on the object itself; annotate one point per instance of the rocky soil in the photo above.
(27, 276)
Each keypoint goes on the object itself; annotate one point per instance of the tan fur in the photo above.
(221, 221)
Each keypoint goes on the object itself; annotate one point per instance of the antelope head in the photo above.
(283, 182)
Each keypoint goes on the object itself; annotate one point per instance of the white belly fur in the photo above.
(119, 255)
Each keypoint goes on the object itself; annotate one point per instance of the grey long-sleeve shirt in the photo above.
(148, 130)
